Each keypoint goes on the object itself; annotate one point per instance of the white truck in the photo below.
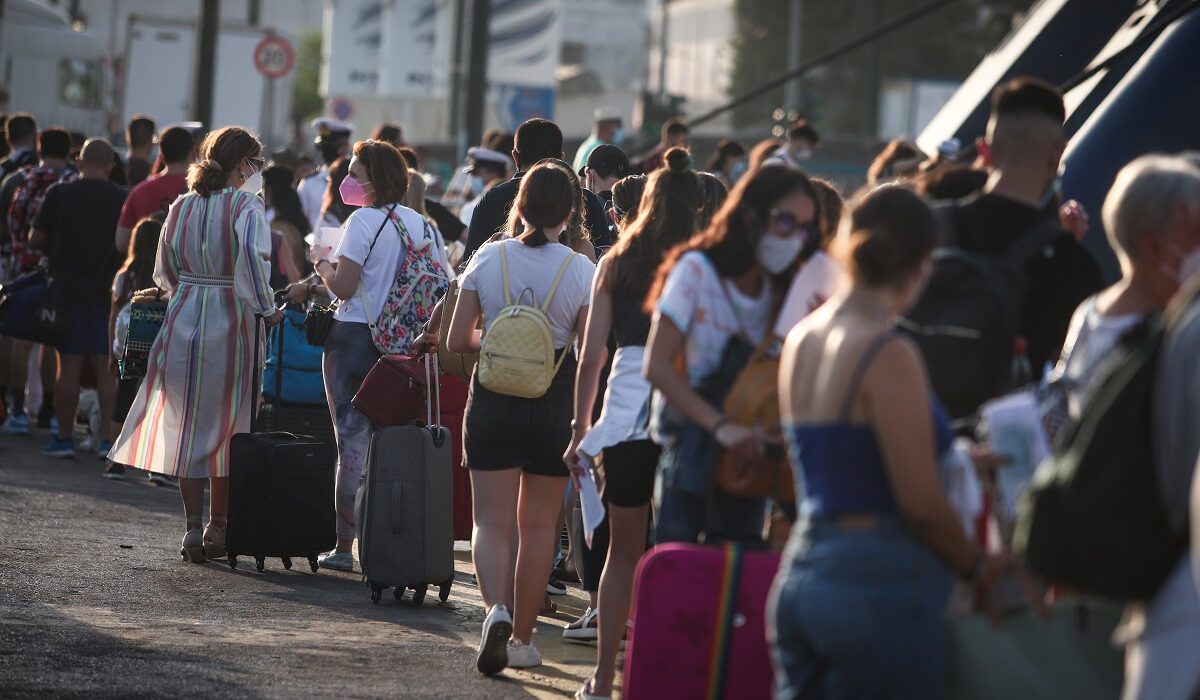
(160, 60)
(50, 70)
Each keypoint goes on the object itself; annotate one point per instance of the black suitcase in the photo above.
(404, 509)
(281, 492)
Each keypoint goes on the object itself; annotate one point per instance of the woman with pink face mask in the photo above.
(360, 274)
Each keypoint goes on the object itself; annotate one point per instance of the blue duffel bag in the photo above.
(301, 381)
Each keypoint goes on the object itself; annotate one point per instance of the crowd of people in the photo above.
(662, 286)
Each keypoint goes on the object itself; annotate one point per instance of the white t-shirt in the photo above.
(694, 301)
(381, 265)
(531, 269)
(1090, 337)
(815, 283)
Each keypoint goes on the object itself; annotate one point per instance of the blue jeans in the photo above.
(858, 614)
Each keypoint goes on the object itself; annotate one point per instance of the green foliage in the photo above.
(841, 97)
(306, 97)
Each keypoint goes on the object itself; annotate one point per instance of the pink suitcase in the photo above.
(694, 606)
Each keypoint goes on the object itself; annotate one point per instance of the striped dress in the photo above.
(214, 257)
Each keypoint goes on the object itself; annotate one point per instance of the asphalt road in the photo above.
(95, 601)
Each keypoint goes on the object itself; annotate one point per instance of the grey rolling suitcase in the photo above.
(403, 509)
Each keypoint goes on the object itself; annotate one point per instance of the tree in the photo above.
(841, 96)
(306, 96)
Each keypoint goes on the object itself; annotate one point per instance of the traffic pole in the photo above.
(206, 55)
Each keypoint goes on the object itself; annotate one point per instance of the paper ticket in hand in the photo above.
(591, 506)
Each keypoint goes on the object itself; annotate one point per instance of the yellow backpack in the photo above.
(516, 357)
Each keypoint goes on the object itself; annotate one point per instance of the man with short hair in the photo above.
(606, 130)
(675, 132)
(77, 224)
(333, 142)
(139, 135)
(605, 166)
(1023, 147)
(20, 132)
(487, 168)
(159, 192)
(803, 139)
(536, 140)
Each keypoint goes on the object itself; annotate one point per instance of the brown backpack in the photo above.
(754, 400)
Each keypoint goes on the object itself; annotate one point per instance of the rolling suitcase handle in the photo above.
(433, 418)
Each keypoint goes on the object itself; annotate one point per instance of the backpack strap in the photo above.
(1039, 237)
(504, 275)
(860, 371)
(562, 270)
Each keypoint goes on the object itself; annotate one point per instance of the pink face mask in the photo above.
(352, 192)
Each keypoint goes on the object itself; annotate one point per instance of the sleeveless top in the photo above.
(838, 465)
(631, 324)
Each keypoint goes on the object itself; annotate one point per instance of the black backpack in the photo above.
(967, 318)
(1094, 519)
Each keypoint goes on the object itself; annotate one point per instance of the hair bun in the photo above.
(677, 159)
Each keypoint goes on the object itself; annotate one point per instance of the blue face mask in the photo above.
(477, 184)
(618, 137)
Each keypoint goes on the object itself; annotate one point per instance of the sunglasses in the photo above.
(783, 224)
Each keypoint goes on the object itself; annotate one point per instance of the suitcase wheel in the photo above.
(312, 562)
(287, 563)
(418, 595)
(376, 592)
(232, 561)
(444, 591)
(260, 563)
(398, 592)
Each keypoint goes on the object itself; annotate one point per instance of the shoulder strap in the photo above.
(562, 269)
(860, 371)
(1042, 234)
(504, 274)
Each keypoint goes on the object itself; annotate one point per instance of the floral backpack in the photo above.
(419, 284)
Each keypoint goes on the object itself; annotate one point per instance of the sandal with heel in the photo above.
(214, 538)
(193, 546)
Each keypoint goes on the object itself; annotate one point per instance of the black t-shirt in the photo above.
(80, 220)
(491, 214)
(137, 169)
(1059, 279)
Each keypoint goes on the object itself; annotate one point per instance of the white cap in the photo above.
(606, 114)
(487, 155)
(327, 127)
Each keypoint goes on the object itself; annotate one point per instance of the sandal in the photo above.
(214, 538)
(549, 607)
(584, 694)
(193, 546)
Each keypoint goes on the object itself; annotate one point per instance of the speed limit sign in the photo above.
(274, 57)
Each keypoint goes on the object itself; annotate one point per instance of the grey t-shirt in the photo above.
(531, 270)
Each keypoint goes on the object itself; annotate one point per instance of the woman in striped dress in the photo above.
(214, 262)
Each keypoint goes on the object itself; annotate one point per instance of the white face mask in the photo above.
(254, 183)
(799, 154)
(775, 254)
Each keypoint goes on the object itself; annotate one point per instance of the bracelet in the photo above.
(718, 423)
(575, 426)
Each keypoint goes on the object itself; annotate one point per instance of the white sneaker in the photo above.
(497, 628)
(522, 655)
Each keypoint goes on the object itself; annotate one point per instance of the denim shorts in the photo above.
(504, 432)
(857, 614)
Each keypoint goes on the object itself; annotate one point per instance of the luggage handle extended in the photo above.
(433, 418)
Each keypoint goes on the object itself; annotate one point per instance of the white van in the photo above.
(50, 70)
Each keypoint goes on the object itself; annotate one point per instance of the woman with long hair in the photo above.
(714, 299)
(360, 273)
(513, 446)
(136, 273)
(214, 262)
(619, 442)
(287, 216)
(867, 572)
(729, 162)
